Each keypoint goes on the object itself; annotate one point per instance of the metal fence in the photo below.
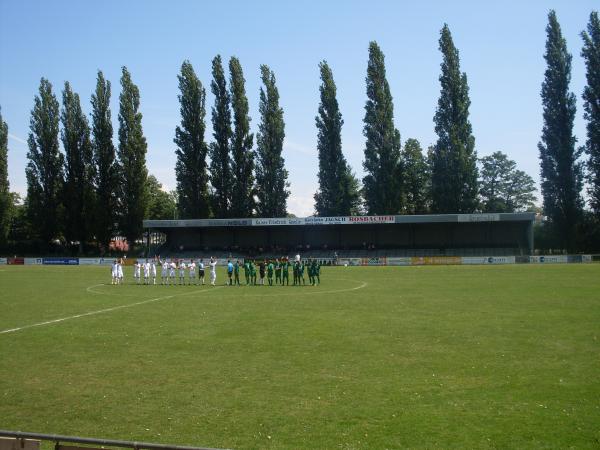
(18, 440)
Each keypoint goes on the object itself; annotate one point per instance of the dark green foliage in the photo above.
(416, 178)
(220, 166)
(561, 174)
(5, 197)
(503, 188)
(106, 169)
(20, 227)
(338, 188)
(271, 175)
(242, 155)
(454, 160)
(44, 170)
(161, 204)
(79, 170)
(190, 169)
(591, 106)
(132, 159)
(382, 184)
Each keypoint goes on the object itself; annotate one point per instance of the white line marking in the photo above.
(364, 284)
(91, 290)
(156, 299)
(102, 311)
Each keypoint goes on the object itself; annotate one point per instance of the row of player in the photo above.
(194, 272)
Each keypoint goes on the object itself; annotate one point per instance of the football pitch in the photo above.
(373, 358)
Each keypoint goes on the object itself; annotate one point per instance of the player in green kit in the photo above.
(295, 270)
(247, 271)
(309, 269)
(236, 272)
(270, 270)
(301, 273)
(252, 273)
(277, 271)
(285, 272)
(317, 272)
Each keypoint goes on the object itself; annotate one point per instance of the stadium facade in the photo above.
(389, 235)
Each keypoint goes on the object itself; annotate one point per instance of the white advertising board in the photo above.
(548, 259)
(89, 261)
(488, 259)
(349, 261)
(2, 261)
(398, 261)
(31, 261)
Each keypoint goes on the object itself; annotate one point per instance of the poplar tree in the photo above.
(338, 187)
(106, 170)
(416, 178)
(242, 155)
(79, 170)
(5, 197)
(190, 169)
(454, 160)
(271, 175)
(132, 161)
(591, 106)
(220, 169)
(44, 170)
(561, 174)
(383, 181)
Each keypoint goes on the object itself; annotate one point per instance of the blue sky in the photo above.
(501, 47)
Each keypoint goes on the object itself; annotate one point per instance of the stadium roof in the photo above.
(342, 220)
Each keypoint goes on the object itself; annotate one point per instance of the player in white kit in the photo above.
(114, 272)
(146, 267)
(192, 273)
(172, 267)
(213, 270)
(182, 267)
(120, 271)
(153, 271)
(164, 273)
(136, 272)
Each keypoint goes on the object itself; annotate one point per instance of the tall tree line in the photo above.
(454, 160)
(84, 192)
(5, 197)
(591, 106)
(338, 193)
(561, 173)
(92, 190)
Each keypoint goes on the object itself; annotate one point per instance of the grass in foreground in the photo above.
(464, 357)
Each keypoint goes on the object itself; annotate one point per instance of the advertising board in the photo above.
(89, 261)
(434, 260)
(374, 261)
(60, 261)
(31, 261)
(548, 259)
(398, 261)
(488, 259)
(349, 261)
(3, 261)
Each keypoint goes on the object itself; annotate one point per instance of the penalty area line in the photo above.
(101, 311)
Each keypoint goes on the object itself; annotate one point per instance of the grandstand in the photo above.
(489, 234)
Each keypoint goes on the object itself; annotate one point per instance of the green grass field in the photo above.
(374, 358)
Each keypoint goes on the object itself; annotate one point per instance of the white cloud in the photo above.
(17, 138)
(299, 148)
(301, 205)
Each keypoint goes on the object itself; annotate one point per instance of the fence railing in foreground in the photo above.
(18, 440)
